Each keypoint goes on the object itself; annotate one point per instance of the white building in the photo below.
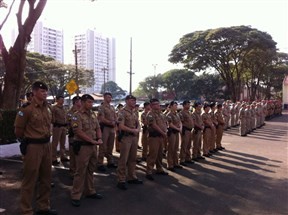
(47, 41)
(96, 52)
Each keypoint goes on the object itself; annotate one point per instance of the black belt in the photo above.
(59, 125)
(38, 141)
(83, 143)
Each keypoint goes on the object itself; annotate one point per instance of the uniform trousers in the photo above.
(144, 141)
(72, 161)
(155, 154)
(197, 139)
(186, 139)
(172, 150)
(36, 171)
(206, 140)
(83, 182)
(127, 160)
(242, 128)
(212, 139)
(106, 149)
(232, 120)
(59, 135)
(219, 134)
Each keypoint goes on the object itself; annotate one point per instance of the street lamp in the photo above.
(76, 51)
(155, 66)
(104, 69)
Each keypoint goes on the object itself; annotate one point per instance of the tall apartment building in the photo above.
(96, 52)
(47, 41)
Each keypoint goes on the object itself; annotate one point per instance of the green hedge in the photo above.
(7, 126)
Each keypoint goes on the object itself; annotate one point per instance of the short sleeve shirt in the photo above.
(107, 111)
(128, 118)
(186, 119)
(156, 117)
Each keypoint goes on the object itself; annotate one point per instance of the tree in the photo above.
(114, 89)
(15, 59)
(223, 49)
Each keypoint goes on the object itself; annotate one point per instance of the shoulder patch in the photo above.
(25, 104)
(20, 113)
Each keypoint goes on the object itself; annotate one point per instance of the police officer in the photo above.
(219, 127)
(144, 138)
(174, 127)
(157, 131)
(197, 132)
(76, 102)
(32, 125)
(118, 109)
(87, 136)
(186, 135)
(59, 122)
(242, 119)
(129, 128)
(207, 132)
(212, 140)
(107, 120)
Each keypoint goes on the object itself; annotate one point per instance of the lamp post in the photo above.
(76, 51)
(104, 69)
(155, 66)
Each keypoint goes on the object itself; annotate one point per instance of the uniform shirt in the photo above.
(242, 113)
(107, 111)
(35, 119)
(173, 117)
(143, 118)
(70, 114)
(59, 114)
(197, 118)
(213, 117)
(186, 119)
(219, 117)
(128, 118)
(87, 121)
(157, 117)
(206, 118)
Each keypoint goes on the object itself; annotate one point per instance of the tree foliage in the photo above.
(114, 89)
(224, 49)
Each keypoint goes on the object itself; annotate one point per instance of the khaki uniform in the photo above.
(213, 130)
(59, 131)
(36, 119)
(197, 134)
(219, 128)
(242, 118)
(72, 162)
(155, 140)
(128, 146)
(108, 134)
(186, 135)
(144, 138)
(86, 159)
(233, 116)
(173, 140)
(207, 132)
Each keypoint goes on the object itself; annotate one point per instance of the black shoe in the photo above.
(150, 177)
(195, 159)
(206, 155)
(179, 166)
(95, 196)
(55, 163)
(215, 150)
(75, 202)
(200, 158)
(222, 148)
(144, 159)
(65, 159)
(162, 173)
(101, 168)
(183, 164)
(122, 186)
(135, 181)
(210, 154)
(243, 135)
(189, 161)
(52, 184)
(139, 147)
(112, 165)
(171, 169)
(47, 212)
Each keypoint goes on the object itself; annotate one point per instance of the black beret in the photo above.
(219, 106)
(137, 105)
(206, 105)
(108, 94)
(186, 102)
(146, 104)
(172, 103)
(212, 104)
(59, 96)
(154, 100)
(86, 96)
(130, 97)
(196, 104)
(75, 98)
(39, 85)
(119, 106)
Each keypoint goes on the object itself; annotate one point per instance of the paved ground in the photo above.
(249, 178)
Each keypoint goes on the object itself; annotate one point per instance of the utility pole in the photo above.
(155, 66)
(130, 73)
(76, 51)
(104, 69)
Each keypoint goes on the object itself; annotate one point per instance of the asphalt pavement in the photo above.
(250, 177)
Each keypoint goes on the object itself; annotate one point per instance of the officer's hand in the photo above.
(135, 131)
(99, 142)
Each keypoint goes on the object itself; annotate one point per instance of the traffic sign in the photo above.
(71, 87)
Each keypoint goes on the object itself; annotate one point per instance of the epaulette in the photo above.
(25, 105)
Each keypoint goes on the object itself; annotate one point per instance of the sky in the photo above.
(156, 26)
